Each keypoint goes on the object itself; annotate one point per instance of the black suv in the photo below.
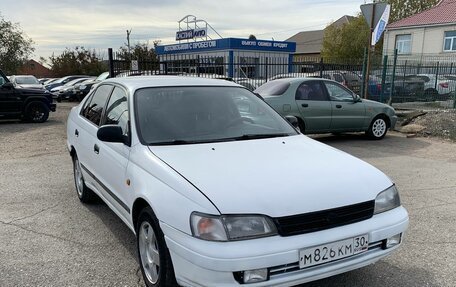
(32, 105)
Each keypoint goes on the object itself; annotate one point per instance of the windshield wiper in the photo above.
(238, 138)
(258, 136)
(174, 142)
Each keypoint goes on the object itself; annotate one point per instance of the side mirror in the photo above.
(293, 121)
(8, 85)
(111, 133)
(357, 98)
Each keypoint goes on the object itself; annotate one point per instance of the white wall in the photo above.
(426, 40)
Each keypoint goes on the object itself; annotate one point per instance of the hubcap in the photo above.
(148, 251)
(78, 177)
(379, 128)
(37, 113)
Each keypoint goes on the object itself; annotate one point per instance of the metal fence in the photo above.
(393, 79)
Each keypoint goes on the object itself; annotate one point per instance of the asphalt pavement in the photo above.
(48, 238)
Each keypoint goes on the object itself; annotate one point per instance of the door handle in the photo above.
(96, 149)
(304, 105)
(76, 132)
(339, 106)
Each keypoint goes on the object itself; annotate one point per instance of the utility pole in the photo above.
(369, 53)
(128, 42)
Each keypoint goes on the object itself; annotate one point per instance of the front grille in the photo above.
(325, 219)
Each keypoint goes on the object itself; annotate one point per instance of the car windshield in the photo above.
(273, 88)
(186, 115)
(26, 80)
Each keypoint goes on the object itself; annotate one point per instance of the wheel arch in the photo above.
(139, 204)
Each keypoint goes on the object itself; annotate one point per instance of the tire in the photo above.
(378, 128)
(153, 255)
(302, 126)
(85, 194)
(430, 95)
(36, 112)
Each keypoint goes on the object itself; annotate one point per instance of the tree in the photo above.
(347, 41)
(140, 51)
(404, 8)
(77, 61)
(15, 46)
(252, 37)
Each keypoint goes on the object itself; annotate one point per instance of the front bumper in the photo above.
(393, 120)
(203, 263)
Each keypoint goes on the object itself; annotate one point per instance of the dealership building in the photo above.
(232, 57)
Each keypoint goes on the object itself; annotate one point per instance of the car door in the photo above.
(100, 170)
(314, 105)
(10, 100)
(112, 158)
(347, 114)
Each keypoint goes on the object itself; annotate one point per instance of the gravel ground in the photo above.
(438, 123)
(48, 238)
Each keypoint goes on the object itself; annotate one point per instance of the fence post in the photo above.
(266, 68)
(405, 74)
(321, 67)
(111, 63)
(198, 65)
(385, 65)
(390, 101)
(231, 64)
(437, 75)
(363, 83)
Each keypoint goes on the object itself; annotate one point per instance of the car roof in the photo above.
(139, 82)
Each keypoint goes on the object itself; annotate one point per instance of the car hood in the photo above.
(30, 91)
(31, 86)
(276, 177)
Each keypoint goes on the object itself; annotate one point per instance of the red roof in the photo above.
(442, 13)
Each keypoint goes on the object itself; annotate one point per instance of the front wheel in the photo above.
(154, 258)
(378, 128)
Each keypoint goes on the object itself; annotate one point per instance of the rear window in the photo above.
(273, 88)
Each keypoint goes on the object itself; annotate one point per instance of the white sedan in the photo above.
(220, 190)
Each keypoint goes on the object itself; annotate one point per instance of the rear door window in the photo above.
(311, 91)
(94, 109)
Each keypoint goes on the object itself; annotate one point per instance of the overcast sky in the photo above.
(100, 24)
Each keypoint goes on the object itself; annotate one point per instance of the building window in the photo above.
(449, 43)
(404, 44)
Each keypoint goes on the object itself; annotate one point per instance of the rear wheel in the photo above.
(430, 95)
(84, 193)
(378, 128)
(154, 258)
(36, 112)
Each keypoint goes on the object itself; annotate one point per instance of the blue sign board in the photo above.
(228, 44)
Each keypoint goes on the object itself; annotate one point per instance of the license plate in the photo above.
(333, 251)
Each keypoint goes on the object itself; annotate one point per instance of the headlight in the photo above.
(231, 227)
(387, 200)
(82, 87)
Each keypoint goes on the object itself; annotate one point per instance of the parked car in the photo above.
(64, 91)
(325, 106)
(217, 199)
(435, 87)
(405, 89)
(32, 105)
(50, 81)
(348, 79)
(43, 80)
(63, 81)
(26, 81)
(82, 89)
